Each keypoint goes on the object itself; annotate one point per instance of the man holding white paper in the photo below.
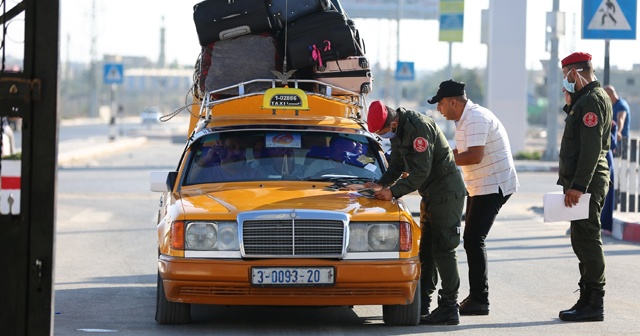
(583, 169)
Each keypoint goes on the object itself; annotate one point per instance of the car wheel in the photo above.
(168, 312)
(403, 315)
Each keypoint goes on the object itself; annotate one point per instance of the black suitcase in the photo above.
(319, 37)
(225, 19)
(283, 12)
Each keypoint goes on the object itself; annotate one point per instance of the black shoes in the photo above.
(447, 313)
(592, 310)
(470, 307)
(582, 301)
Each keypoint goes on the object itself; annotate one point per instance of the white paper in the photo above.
(555, 211)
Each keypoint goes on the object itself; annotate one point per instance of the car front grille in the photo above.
(293, 237)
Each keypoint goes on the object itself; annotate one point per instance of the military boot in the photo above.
(592, 311)
(582, 301)
(447, 313)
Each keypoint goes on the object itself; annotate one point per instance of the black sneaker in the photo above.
(470, 307)
(445, 314)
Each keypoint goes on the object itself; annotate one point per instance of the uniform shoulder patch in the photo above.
(420, 144)
(590, 119)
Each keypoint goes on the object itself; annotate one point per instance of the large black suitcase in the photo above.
(283, 12)
(319, 37)
(217, 20)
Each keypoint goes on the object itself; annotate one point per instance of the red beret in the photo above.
(377, 116)
(576, 57)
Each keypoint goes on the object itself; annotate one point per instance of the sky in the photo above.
(132, 28)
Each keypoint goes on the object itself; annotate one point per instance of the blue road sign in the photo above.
(113, 73)
(405, 71)
(609, 19)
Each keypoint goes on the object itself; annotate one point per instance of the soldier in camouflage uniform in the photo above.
(583, 169)
(419, 148)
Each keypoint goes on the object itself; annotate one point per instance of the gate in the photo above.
(28, 93)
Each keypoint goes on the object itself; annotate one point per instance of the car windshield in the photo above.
(282, 155)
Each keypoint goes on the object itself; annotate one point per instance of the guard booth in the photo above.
(28, 93)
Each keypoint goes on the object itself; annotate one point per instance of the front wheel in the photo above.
(403, 315)
(168, 312)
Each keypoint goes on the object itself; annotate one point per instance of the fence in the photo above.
(627, 173)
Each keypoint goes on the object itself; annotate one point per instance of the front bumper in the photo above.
(228, 282)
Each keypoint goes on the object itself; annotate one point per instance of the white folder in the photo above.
(555, 211)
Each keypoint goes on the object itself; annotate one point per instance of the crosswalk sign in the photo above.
(609, 19)
(113, 73)
(405, 71)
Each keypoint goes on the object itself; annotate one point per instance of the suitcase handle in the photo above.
(316, 53)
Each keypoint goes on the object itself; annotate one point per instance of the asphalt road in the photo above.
(105, 273)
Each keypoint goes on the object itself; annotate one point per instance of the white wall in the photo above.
(506, 69)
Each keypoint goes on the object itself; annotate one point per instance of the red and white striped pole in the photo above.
(10, 187)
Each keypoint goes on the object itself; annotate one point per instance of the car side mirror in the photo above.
(162, 181)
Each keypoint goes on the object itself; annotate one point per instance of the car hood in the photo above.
(203, 202)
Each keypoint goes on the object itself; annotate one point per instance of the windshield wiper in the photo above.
(340, 179)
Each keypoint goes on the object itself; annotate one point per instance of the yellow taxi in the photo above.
(266, 208)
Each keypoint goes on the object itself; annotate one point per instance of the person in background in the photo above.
(606, 218)
(341, 149)
(583, 169)
(419, 147)
(223, 162)
(484, 154)
(621, 113)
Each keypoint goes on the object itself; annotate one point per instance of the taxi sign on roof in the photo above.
(285, 99)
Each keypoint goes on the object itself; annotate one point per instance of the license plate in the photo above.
(292, 276)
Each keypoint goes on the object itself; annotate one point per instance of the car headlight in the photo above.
(228, 237)
(358, 238)
(373, 237)
(383, 237)
(211, 236)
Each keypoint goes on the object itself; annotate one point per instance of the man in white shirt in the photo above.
(484, 155)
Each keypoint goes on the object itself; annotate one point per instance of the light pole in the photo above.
(555, 28)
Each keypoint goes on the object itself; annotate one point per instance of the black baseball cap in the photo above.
(448, 88)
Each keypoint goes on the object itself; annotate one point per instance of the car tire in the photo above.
(168, 312)
(403, 315)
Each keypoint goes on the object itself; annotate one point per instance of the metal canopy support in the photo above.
(27, 238)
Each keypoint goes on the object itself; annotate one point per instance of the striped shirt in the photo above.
(480, 127)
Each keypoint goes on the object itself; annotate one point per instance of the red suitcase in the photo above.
(353, 74)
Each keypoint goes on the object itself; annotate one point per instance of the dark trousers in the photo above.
(440, 221)
(480, 215)
(586, 241)
(606, 217)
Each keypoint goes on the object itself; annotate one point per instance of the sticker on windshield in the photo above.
(283, 140)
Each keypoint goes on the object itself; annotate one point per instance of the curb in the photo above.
(101, 148)
(625, 230)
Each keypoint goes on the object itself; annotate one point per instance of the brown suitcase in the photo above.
(352, 73)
